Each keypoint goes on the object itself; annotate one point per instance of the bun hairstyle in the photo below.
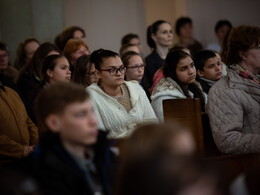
(97, 56)
(169, 70)
(152, 29)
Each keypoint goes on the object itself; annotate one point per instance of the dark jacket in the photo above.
(153, 63)
(57, 173)
(205, 86)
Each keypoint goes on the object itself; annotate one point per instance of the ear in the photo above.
(242, 55)
(49, 73)
(200, 73)
(53, 123)
(153, 37)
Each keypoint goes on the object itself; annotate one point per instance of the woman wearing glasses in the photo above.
(134, 66)
(119, 105)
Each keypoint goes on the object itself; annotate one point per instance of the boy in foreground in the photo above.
(72, 157)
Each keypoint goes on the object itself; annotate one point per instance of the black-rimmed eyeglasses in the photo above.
(113, 70)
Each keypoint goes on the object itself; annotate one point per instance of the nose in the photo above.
(218, 68)
(93, 119)
(191, 71)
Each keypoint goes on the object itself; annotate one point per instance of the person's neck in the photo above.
(77, 150)
(112, 91)
(185, 41)
(249, 68)
(162, 51)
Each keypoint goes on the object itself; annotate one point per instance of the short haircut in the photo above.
(181, 22)
(3, 47)
(55, 99)
(71, 46)
(241, 38)
(200, 58)
(222, 23)
(127, 38)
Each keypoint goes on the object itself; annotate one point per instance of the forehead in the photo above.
(184, 62)
(212, 60)
(164, 26)
(3, 51)
(134, 40)
(77, 34)
(62, 60)
(112, 61)
(77, 106)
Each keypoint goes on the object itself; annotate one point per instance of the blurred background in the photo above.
(107, 21)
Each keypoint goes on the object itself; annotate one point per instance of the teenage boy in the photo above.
(72, 156)
(209, 69)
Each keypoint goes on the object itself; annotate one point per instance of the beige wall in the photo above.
(106, 21)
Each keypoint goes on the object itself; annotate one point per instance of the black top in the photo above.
(153, 63)
(205, 86)
(57, 172)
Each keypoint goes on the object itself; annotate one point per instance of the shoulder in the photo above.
(167, 86)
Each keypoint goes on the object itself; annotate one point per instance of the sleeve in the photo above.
(157, 105)
(9, 148)
(148, 112)
(33, 131)
(226, 119)
(100, 124)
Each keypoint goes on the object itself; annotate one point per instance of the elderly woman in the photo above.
(234, 101)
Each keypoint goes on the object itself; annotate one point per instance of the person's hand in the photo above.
(27, 150)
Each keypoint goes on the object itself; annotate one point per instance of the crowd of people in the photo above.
(64, 108)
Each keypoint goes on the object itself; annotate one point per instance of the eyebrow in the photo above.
(115, 66)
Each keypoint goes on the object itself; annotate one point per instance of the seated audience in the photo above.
(73, 157)
(84, 71)
(159, 73)
(72, 32)
(18, 134)
(234, 101)
(158, 159)
(209, 69)
(25, 51)
(183, 29)
(55, 69)
(159, 39)
(5, 68)
(30, 75)
(119, 105)
(75, 48)
(132, 39)
(134, 64)
(179, 82)
(221, 29)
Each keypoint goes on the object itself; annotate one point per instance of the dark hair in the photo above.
(222, 23)
(97, 56)
(81, 68)
(152, 29)
(55, 99)
(35, 64)
(123, 48)
(169, 70)
(181, 22)
(126, 57)
(201, 58)
(65, 35)
(127, 38)
(241, 38)
(178, 48)
(49, 63)
(20, 60)
(4, 47)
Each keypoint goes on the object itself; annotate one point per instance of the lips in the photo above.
(219, 74)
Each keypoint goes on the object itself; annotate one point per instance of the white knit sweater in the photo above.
(113, 116)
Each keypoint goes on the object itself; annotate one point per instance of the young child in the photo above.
(72, 157)
(179, 82)
(209, 69)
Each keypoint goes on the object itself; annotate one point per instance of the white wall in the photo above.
(106, 21)
(205, 14)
